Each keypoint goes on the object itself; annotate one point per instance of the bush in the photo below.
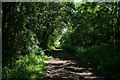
(103, 58)
(29, 66)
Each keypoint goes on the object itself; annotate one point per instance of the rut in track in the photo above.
(64, 66)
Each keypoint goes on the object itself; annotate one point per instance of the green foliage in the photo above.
(94, 36)
(27, 29)
(20, 20)
(31, 65)
(103, 58)
(28, 66)
(92, 32)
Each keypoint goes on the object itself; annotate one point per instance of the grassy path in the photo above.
(64, 66)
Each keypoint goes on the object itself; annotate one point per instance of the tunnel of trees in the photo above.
(89, 30)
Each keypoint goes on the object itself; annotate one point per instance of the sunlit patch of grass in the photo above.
(49, 71)
(59, 49)
(29, 66)
(48, 57)
(75, 73)
(33, 76)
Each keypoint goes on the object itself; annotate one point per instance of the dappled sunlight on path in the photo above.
(65, 67)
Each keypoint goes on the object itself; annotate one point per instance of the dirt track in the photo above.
(64, 66)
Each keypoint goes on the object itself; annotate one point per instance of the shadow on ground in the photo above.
(64, 66)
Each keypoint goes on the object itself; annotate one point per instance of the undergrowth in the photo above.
(103, 58)
(28, 66)
(31, 65)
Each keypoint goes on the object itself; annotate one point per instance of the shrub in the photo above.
(29, 66)
(104, 59)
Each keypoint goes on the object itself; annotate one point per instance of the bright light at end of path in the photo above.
(64, 30)
(58, 42)
(77, 0)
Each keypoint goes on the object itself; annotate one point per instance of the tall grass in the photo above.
(105, 59)
(28, 66)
